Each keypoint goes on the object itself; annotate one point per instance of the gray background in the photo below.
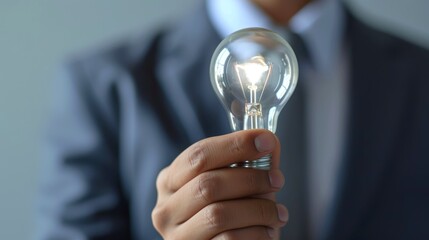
(36, 35)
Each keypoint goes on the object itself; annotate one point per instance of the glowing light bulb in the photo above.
(254, 72)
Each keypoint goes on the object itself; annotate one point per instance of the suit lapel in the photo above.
(184, 74)
(376, 101)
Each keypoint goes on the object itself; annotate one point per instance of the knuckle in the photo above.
(236, 145)
(161, 180)
(160, 217)
(214, 215)
(207, 187)
(198, 156)
(265, 212)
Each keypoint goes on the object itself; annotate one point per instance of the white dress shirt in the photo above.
(320, 25)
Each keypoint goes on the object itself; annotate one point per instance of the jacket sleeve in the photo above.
(81, 196)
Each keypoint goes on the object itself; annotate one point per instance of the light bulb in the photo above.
(254, 72)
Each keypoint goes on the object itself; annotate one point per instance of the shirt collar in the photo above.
(319, 23)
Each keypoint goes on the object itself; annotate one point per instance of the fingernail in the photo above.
(270, 232)
(265, 142)
(276, 178)
(282, 212)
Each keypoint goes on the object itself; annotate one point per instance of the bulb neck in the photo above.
(263, 163)
(253, 117)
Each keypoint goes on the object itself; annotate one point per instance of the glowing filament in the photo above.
(254, 74)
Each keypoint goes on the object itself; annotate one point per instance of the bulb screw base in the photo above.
(263, 163)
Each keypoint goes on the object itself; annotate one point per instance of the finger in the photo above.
(224, 216)
(221, 185)
(255, 232)
(219, 152)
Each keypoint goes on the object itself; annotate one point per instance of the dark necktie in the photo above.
(294, 157)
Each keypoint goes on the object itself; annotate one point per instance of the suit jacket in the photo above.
(123, 113)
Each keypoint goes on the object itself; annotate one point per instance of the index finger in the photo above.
(222, 151)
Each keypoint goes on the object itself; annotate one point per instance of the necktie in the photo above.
(294, 157)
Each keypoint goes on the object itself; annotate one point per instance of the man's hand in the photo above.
(200, 197)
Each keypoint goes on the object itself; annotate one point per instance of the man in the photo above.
(141, 113)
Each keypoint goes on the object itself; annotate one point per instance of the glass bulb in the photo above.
(254, 72)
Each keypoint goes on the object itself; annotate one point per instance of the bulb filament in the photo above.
(253, 74)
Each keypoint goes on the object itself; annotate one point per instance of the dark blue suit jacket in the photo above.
(124, 113)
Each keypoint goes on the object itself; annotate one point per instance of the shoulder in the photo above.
(96, 83)
(379, 40)
(182, 42)
(393, 64)
(377, 48)
(119, 56)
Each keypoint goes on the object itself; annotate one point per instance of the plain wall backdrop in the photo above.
(36, 35)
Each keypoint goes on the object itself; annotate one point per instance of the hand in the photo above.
(200, 197)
